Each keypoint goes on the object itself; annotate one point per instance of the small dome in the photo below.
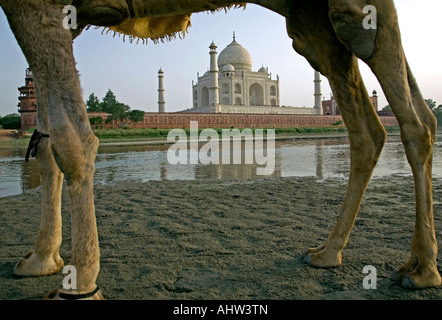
(236, 55)
(262, 70)
(228, 68)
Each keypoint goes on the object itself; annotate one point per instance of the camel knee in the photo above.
(366, 148)
(379, 137)
(74, 154)
(418, 140)
(47, 167)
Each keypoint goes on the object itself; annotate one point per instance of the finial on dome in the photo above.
(234, 37)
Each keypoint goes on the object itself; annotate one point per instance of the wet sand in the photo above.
(226, 240)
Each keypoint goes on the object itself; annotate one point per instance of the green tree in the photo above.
(437, 111)
(119, 111)
(96, 121)
(136, 115)
(431, 103)
(93, 103)
(109, 102)
(387, 108)
(10, 121)
(111, 105)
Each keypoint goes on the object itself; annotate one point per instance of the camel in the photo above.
(329, 34)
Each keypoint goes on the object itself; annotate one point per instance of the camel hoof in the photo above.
(408, 284)
(307, 259)
(322, 259)
(413, 278)
(418, 281)
(395, 276)
(34, 265)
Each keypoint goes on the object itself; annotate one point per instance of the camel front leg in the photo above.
(45, 259)
(319, 45)
(47, 46)
(74, 147)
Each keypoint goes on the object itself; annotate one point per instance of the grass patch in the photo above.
(309, 130)
(130, 133)
(162, 133)
(18, 143)
(392, 129)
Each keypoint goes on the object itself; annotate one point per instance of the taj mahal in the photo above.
(230, 86)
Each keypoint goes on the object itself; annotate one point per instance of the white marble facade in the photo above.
(230, 86)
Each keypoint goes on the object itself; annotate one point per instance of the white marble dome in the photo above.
(228, 68)
(236, 55)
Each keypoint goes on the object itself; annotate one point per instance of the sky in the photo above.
(131, 71)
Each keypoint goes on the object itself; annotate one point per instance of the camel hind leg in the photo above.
(318, 44)
(418, 132)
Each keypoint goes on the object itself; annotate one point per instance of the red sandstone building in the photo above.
(330, 107)
(28, 111)
(27, 105)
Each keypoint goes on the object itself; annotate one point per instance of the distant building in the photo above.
(230, 86)
(27, 106)
(330, 107)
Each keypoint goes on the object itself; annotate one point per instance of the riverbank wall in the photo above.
(208, 120)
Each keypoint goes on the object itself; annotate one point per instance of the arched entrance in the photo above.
(256, 95)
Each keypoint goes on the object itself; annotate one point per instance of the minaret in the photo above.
(318, 93)
(161, 99)
(213, 82)
(374, 100)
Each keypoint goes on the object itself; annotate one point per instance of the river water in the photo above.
(321, 158)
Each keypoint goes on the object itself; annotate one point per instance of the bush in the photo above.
(11, 121)
(131, 133)
(96, 122)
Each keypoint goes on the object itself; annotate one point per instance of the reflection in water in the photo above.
(321, 158)
(16, 175)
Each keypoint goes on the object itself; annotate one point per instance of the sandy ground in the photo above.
(226, 240)
(7, 135)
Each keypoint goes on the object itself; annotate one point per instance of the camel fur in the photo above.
(329, 34)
